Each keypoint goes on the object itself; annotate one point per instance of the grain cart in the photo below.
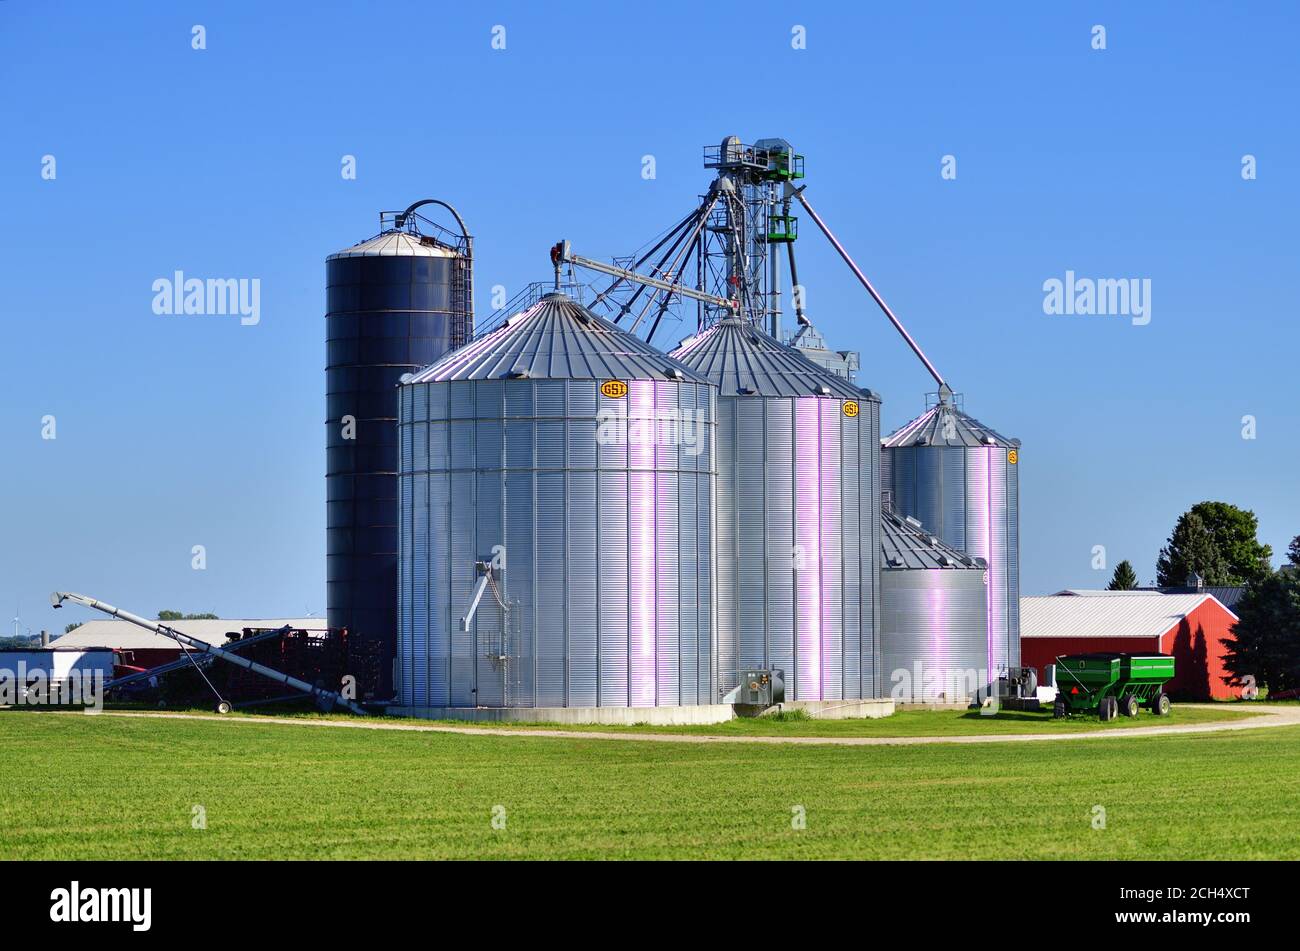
(1112, 684)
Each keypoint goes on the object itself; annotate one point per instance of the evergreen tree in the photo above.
(1124, 578)
(1265, 641)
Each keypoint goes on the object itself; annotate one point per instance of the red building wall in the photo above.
(1196, 644)
(1041, 651)
(1198, 649)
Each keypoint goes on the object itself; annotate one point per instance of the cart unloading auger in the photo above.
(327, 698)
(792, 192)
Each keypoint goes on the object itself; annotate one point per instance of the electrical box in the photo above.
(761, 688)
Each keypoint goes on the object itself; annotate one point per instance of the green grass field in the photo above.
(113, 787)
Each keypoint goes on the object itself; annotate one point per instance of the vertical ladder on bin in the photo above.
(462, 299)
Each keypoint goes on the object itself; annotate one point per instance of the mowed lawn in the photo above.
(77, 786)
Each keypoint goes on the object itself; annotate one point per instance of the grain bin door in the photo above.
(491, 659)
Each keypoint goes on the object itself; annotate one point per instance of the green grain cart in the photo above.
(1112, 684)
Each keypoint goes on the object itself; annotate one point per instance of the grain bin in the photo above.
(960, 479)
(395, 303)
(797, 515)
(933, 615)
(572, 464)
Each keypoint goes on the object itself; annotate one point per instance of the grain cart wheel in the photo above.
(224, 707)
(1106, 709)
(1160, 705)
(1128, 705)
(1058, 710)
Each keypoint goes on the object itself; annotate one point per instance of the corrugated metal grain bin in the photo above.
(578, 459)
(960, 479)
(391, 309)
(933, 615)
(798, 515)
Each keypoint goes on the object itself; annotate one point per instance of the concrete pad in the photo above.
(933, 705)
(658, 716)
(870, 709)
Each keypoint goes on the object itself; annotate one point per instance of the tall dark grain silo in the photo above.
(395, 303)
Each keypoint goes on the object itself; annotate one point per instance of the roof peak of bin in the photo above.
(395, 243)
(904, 544)
(742, 360)
(945, 425)
(556, 339)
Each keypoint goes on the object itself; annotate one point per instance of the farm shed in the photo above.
(1191, 627)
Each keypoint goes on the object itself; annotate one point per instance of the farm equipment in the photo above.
(1112, 684)
(325, 698)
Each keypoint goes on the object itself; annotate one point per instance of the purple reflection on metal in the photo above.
(988, 553)
(940, 623)
(807, 473)
(641, 542)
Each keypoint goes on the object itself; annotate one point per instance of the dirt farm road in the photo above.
(1260, 718)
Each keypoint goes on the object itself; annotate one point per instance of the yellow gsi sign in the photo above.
(614, 389)
(850, 408)
(1012, 456)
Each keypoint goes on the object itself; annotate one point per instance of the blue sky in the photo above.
(1123, 162)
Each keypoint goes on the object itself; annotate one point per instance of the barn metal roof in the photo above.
(395, 244)
(1227, 595)
(123, 635)
(945, 425)
(1107, 614)
(741, 360)
(905, 544)
(556, 338)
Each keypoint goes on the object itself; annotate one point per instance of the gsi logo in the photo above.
(850, 408)
(614, 389)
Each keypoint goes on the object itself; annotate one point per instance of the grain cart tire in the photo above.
(1160, 704)
(224, 707)
(1106, 709)
(1058, 710)
(1128, 705)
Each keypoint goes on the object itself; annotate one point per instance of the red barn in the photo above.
(1191, 627)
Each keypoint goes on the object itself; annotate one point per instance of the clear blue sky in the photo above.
(225, 162)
